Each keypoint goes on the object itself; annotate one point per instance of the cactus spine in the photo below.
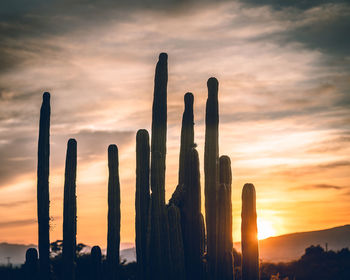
(211, 154)
(96, 263)
(159, 231)
(142, 202)
(113, 234)
(43, 200)
(250, 251)
(70, 212)
(31, 264)
(176, 243)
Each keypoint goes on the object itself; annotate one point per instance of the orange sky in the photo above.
(284, 108)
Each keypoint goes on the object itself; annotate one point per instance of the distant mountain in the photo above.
(292, 246)
(274, 249)
(15, 252)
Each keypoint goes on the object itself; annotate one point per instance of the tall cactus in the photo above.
(96, 263)
(211, 157)
(176, 243)
(187, 135)
(31, 264)
(225, 242)
(70, 212)
(250, 250)
(43, 199)
(113, 234)
(159, 232)
(190, 213)
(142, 202)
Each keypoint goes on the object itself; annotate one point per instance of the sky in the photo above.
(284, 92)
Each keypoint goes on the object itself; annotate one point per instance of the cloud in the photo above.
(317, 187)
(17, 223)
(18, 154)
(294, 172)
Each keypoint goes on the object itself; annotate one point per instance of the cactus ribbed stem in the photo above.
(176, 243)
(187, 135)
(190, 213)
(96, 263)
(31, 264)
(43, 199)
(142, 202)
(225, 243)
(160, 257)
(70, 212)
(113, 234)
(250, 249)
(211, 157)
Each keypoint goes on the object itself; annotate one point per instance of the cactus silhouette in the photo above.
(250, 250)
(225, 243)
(43, 200)
(211, 157)
(191, 212)
(172, 241)
(176, 243)
(142, 202)
(160, 258)
(70, 212)
(113, 234)
(96, 263)
(187, 135)
(31, 264)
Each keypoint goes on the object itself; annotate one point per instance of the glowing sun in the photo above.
(265, 229)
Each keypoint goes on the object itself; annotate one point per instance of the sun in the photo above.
(265, 229)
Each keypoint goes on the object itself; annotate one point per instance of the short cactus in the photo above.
(96, 263)
(31, 264)
(250, 250)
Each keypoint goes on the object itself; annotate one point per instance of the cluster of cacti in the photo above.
(172, 240)
(182, 231)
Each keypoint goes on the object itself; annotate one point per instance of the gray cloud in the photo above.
(317, 187)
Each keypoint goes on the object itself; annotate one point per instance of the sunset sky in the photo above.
(284, 94)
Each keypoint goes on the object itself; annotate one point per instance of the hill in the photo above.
(292, 246)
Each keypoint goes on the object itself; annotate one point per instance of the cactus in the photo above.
(224, 251)
(96, 263)
(43, 199)
(176, 243)
(113, 234)
(142, 202)
(211, 154)
(250, 250)
(70, 212)
(159, 231)
(187, 135)
(31, 264)
(225, 243)
(190, 214)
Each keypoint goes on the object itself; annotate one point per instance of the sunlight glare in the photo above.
(265, 229)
